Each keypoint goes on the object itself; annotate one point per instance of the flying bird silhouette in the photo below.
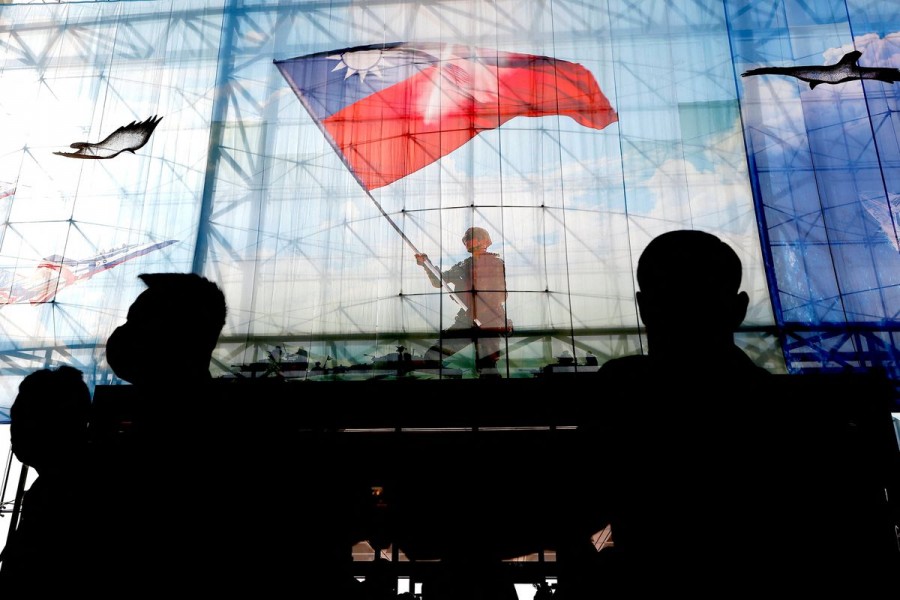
(127, 138)
(845, 69)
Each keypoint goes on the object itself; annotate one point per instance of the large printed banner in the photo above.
(302, 156)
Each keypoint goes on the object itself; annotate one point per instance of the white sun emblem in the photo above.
(363, 62)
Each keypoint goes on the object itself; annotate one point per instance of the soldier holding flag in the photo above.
(479, 283)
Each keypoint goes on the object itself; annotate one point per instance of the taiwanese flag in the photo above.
(391, 109)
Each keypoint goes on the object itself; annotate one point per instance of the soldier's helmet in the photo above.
(478, 234)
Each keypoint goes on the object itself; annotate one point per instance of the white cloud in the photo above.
(876, 51)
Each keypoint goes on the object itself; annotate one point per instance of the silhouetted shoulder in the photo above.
(637, 364)
(644, 368)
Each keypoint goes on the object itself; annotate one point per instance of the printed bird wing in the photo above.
(130, 137)
(126, 138)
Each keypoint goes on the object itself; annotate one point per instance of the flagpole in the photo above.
(429, 266)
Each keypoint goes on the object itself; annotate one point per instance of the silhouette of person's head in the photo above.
(49, 418)
(689, 296)
(173, 327)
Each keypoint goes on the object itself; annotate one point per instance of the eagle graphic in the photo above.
(127, 138)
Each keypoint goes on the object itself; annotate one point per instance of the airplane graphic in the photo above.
(55, 273)
(845, 69)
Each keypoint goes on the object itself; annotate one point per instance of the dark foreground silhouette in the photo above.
(51, 548)
(709, 470)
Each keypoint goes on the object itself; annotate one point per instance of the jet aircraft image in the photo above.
(845, 69)
(55, 273)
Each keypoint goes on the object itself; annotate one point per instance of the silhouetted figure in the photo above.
(381, 581)
(480, 283)
(690, 303)
(168, 471)
(170, 333)
(51, 549)
(713, 473)
(218, 502)
(675, 472)
(544, 590)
